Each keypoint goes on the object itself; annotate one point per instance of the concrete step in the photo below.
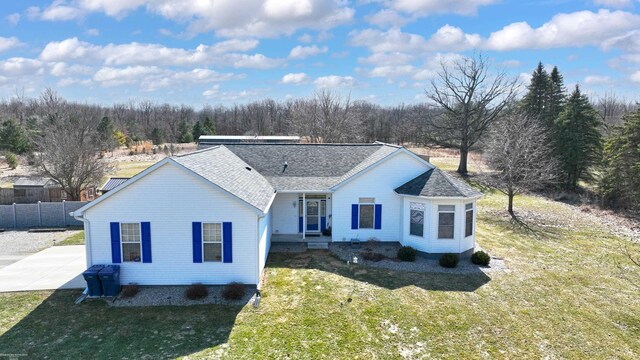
(317, 245)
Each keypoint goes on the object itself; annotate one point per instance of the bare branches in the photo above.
(518, 153)
(69, 147)
(470, 98)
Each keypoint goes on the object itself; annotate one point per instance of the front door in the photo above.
(313, 215)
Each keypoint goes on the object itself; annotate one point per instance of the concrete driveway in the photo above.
(58, 267)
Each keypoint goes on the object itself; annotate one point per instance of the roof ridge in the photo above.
(446, 176)
(197, 151)
(310, 144)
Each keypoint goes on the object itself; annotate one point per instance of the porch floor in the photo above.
(297, 238)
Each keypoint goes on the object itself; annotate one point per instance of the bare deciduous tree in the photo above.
(68, 150)
(470, 99)
(519, 156)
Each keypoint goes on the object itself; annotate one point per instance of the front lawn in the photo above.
(563, 297)
(75, 239)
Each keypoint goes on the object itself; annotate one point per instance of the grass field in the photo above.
(131, 168)
(563, 297)
(75, 239)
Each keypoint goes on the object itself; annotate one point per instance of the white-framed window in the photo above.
(416, 219)
(468, 220)
(366, 212)
(212, 242)
(131, 244)
(446, 221)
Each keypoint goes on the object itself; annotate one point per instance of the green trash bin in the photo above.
(110, 278)
(94, 286)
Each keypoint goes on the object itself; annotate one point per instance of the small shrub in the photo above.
(449, 260)
(372, 256)
(407, 253)
(233, 291)
(12, 160)
(480, 258)
(129, 291)
(196, 292)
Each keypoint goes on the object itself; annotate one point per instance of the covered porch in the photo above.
(301, 217)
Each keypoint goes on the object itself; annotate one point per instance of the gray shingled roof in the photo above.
(34, 182)
(228, 171)
(310, 166)
(437, 183)
(112, 183)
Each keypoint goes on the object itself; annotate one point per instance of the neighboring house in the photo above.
(205, 141)
(30, 190)
(209, 216)
(111, 184)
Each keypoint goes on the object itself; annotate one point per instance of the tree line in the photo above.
(544, 136)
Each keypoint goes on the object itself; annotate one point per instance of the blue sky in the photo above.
(234, 51)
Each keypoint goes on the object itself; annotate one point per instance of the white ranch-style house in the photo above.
(210, 216)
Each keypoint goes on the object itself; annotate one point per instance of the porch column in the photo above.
(304, 215)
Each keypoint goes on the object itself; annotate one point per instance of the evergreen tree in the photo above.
(556, 97)
(13, 137)
(196, 131)
(184, 133)
(157, 136)
(105, 134)
(208, 128)
(577, 139)
(535, 100)
(620, 183)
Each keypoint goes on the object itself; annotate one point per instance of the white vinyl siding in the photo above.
(172, 199)
(379, 183)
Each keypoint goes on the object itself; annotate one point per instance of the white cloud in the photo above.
(151, 78)
(393, 40)
(295, 78)
(213, 91)
(597, 80)
(334, 81)
(629, 42)
(92, 32)
(446, 38)
(574, 29)
(635, 77)
(21, 66)
(429, 7)
(387, 17)
(614, 3)
(387, 59)
(222, 54)
(257, 18)
(303, 52)
(452, 38)
(13, 19)
(8, 43)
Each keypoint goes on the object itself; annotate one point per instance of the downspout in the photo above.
(87, 237)
(258, 237)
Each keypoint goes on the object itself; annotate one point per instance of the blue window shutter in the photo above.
(300, 224)
(378, 217)
(145, 229)
(116, 257)
(227, 242)
(354, 216)
(197, 242)
(323, 219)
